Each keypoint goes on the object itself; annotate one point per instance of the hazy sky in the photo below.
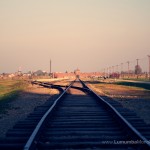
(84, 34)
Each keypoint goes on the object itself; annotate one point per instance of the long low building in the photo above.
(77, 72)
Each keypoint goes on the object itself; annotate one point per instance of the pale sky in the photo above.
(84, 34)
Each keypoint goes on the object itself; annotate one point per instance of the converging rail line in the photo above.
(80, 119)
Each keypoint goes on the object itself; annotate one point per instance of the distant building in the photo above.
(11, 75)
(77, 72)
(63, 75)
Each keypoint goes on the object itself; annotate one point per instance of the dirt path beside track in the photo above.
(136, 99)
(23, 105)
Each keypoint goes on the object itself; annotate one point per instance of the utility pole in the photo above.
(117, 68)
(149, 66)
(137, 67)
(128, 67)
(121, 70)
(112, 71)
(109, 71)
(50, 69)
(104, 72)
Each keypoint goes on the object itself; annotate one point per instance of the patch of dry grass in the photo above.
(9, 90)
(133, 98)
(122, 91)
(8, 86)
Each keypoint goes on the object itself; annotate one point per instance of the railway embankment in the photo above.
(133, 95)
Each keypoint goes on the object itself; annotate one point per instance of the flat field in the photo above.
(9, 90)
(136, 98)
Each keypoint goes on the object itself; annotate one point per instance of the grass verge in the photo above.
(141, 85)
(9, 91)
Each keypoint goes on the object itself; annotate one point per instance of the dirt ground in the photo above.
(133, 98)
(23, 105)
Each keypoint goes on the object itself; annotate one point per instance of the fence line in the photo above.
(134, 69)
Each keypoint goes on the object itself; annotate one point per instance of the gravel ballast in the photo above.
(135, 99)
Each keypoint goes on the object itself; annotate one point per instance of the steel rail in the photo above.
(127, 124)
(66, 86)
(49, 85)
(34, 134)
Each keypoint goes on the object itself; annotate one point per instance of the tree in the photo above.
(39, 73)
(138, 69)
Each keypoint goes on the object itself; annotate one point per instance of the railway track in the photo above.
(79, 119)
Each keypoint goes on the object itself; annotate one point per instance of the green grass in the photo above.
(139, 79)
(9, 91)
(134, 84)
(6, 99)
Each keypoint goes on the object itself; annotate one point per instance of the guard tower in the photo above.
(77, 73)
